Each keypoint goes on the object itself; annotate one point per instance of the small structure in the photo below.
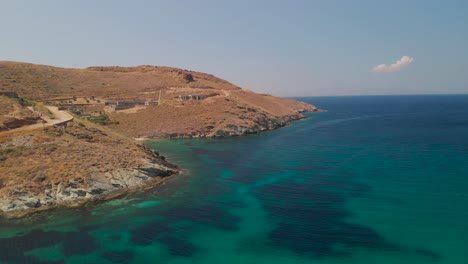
(191, 97)
(122, 105)
(63, 124)
(149, 103)
(60, 100)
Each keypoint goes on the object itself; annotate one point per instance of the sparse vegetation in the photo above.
(29, 102)
(188, 77)
(50, 156)
(6, 151)
(37, 159)
(102, 119)
(152, 84)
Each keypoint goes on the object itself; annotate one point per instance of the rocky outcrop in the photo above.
(68, 166)
(97, 186)
(260, 124)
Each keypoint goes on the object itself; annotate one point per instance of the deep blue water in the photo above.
(374, 179)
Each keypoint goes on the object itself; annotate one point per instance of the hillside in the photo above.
(55, 166)
(40, 82)
(13, 114)
(65, 134)
(179, 103)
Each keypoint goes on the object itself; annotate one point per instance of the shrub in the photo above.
(5, 151)
(29, 102)
(102, 119)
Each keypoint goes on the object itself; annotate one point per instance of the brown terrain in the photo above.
(223, 109)
(65, 134)
(14, 115)
(58, 165)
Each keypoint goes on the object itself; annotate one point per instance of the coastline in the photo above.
(79, 203)
(100, 167)
(148, 183)
(232, 130)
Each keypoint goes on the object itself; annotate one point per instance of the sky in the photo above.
(280, 47)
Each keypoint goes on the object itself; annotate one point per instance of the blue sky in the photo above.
(286, 48)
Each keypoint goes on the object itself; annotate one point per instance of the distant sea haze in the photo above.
(374, 179)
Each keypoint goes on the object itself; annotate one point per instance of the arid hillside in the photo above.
(13, 114)
(67, 165)
(65, 134)
(153, 101)
(40, 82)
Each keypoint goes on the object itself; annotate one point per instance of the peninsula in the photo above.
(67, 135)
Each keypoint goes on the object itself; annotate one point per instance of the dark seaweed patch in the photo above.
(87, 228)
(79, 243)
(177, 246)
(13, 249)
(205, 214)
(428, 253)
(114, 238)
(314, 221)
(162, 231)
(148, 233)
(118, 256)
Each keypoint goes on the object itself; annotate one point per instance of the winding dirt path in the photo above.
(60, 117)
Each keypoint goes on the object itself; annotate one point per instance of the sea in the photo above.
(372, 179)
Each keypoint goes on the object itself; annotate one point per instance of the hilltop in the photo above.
(179, 103)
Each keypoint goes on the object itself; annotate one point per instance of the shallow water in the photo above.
(372, 180)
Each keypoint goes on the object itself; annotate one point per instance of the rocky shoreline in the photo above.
(92, 156)
(231, 130)
(153, 169)
(105, 185)
(96, 187)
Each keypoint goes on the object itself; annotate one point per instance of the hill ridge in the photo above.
(180, 103)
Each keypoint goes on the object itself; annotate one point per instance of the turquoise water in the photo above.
(372, 180)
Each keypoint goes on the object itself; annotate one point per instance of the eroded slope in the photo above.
(64, 166)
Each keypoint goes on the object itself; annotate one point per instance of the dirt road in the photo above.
(60, 117)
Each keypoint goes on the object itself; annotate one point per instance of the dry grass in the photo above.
(6, 105)
(228, 105)
(32, 160)
(240, 108)
(12, 114)
(43, 82)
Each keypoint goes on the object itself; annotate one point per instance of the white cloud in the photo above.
(395, 67)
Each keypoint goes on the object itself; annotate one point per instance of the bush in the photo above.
(102, 119)
(29, 102)
(5, 151)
